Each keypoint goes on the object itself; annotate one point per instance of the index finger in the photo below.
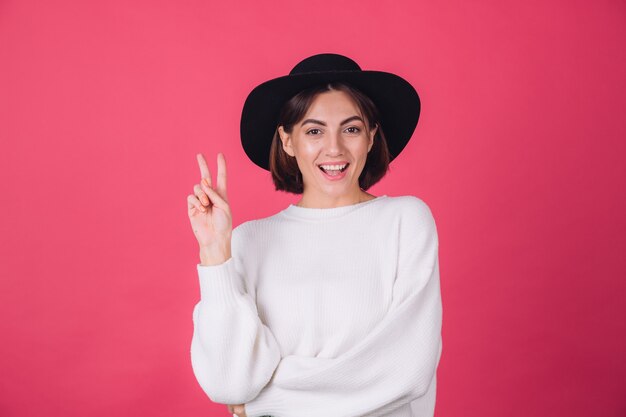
(204, 168)
(221, 173)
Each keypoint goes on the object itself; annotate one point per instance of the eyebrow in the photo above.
(319, 122)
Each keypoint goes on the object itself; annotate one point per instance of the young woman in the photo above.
(332, 306)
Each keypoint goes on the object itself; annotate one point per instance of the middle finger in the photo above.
(204, 168)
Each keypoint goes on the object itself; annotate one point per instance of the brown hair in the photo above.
(285, 172)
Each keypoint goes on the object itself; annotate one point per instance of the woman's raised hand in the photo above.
(209, 213)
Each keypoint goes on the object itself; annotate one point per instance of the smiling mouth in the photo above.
(334, 171)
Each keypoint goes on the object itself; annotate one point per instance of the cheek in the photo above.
(309, 150)
(359, 148)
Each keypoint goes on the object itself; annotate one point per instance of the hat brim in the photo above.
(396, 99)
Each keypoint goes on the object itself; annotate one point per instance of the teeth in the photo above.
(333, 167)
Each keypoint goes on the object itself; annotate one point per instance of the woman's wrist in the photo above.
(214, 254)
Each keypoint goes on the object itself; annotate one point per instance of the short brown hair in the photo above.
(285, 172)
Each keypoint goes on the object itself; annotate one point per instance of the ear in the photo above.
(286, 140)
(371, 141)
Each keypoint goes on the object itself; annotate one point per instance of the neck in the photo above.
(309, 201)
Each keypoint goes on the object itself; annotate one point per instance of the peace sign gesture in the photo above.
(209, 212)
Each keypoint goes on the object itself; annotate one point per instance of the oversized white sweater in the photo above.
(332, 312)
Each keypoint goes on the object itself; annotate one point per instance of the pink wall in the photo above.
(520, 153)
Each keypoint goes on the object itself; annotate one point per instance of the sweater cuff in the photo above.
(219, 284)
(269, 402)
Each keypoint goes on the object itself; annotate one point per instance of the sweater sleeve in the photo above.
(393, 365)
(233, 354)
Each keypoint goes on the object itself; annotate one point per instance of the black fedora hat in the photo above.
(395, 98)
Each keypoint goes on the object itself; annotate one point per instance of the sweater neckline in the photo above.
(325, 213)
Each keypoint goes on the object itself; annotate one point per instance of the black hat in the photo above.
(396, 100)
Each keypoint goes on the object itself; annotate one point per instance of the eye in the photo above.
(356, 129)
(312, 130)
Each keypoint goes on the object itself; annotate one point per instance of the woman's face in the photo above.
(332, 132)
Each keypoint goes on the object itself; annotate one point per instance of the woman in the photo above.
(332, 306)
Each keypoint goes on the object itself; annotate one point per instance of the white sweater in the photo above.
(332, 312)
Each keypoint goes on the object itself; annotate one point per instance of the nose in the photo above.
(333, 144)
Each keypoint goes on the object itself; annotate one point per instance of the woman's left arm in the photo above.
(393, 365)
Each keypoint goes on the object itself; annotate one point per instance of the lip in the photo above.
(333, 163)
(336, 177)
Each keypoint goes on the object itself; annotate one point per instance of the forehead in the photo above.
(333, 103)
